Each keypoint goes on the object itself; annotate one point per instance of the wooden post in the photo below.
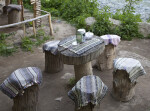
(89, 107)
(82, 70)
(105, 60)
(33, 24)
(7, 2)
(50, 25)
(53, 64)
(19, 2)
(24, 30)
(123, 88)
(28, 101)
(22, 10)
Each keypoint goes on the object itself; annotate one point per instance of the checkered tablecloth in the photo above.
(111, 39)
(132, 66)
(51, 46)
(80, 48)
(89, 89)
(21, 79)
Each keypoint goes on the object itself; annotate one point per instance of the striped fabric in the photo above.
(51, 46)
(89, 89)
(81, 48)
(111, 39)
(67, 42)
(11, 7)
(132, 66)
(21, 79)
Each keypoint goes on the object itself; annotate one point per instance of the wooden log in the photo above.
(123, 88)
(53, 64)
(5, 10)
(34, 30)
(7, 2)
(89, 107)
(50, 25)
(82, 70)
(105, 60)
(28, 101)
(37, 12)
(14, 16)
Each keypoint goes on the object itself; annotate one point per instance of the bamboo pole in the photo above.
(24, 30)
(34, 30)
(50, 24)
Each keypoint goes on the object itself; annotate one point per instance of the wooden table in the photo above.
(81, 62)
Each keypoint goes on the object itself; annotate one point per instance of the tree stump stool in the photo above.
(87, 93)
(80, 55)
(4, 10)
(105, 60)
(14, 13)
(126, 71)
(28, 101)
(53, 63)
(22, 87)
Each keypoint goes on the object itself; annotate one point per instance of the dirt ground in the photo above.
(55, 85)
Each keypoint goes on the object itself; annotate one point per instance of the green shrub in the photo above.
(6, 49)
(76, 11)
(129, 22)
(71, 9)
(102, 25)
(27, 44)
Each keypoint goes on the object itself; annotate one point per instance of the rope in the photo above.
(26, 21)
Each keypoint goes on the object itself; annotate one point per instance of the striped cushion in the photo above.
(51, 46)
(89, 89)
(132, 66)
(21, 79)
(111, 39)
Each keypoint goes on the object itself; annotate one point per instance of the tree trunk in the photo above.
(105, 60)
(82, 70)
(14, 16)
(28, 101)
(53, 64)
(89, 107)
(123, 88)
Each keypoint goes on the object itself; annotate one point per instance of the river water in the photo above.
(142, 7)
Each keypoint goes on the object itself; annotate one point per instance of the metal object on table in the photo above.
(80, 35)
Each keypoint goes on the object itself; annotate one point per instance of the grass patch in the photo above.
(71, 82)
(31, 41)
(6, 49)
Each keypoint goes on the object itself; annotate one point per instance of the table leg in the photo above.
(82, 70)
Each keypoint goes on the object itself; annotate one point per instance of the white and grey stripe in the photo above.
(132, 66)
(89, 89)
(21, 79)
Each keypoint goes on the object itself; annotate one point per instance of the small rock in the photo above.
(67, 76)
(58, 99)
(90, 21)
